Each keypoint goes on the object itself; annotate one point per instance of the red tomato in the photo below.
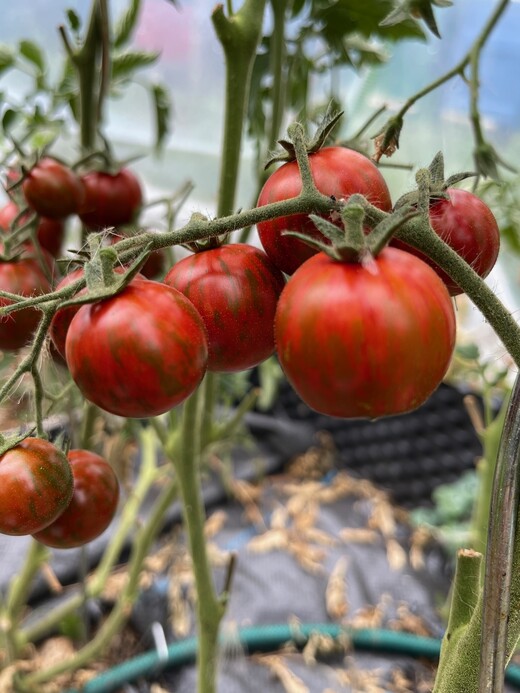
(111, 200)
(235, 288)
(53, 190)
(337, 172)
(63, 316)
(50, 232)
(93, 504)
(36, 486)
(468, 226)
(365, 340)
(139, 353)
(25, 277)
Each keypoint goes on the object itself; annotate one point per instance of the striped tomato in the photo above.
(235, 288)
(25, 277)
(93, 504)
(36, 486)
(338, 172)
(139, 353)
(365, 340)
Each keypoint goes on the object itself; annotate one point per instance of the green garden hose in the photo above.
(266, 639)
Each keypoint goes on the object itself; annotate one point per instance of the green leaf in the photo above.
(471, 352)
(125, 64)
(33, 53)
(6, 58)
(74, 20)
(9, 119)
(126, 24)
(162, 105)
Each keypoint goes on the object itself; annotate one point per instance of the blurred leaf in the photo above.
(9, 119)
(74, 20)
(471, 352)
(125, 64)
(162, 105)
(33, 53)
(127, 22)
(6, 58)
(345, 17)
(416, 9)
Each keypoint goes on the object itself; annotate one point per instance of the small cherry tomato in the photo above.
(93, 503)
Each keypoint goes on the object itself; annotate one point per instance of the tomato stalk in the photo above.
(140, 548)
(210, 607)
(12, 610)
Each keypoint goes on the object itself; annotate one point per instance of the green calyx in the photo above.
(351, 243)
(431, 185)
(314, 144)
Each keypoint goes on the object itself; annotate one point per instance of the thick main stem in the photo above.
(210, 608)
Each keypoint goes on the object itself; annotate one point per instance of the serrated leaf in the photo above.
(32, 52)
(6, 58)
(74, 20)
(125, 64)
(162, 105)
(126, 24)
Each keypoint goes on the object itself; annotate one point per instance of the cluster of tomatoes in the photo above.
(354, 339)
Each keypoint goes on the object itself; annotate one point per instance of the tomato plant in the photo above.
(365, 340)
(23, 276)
(92, 507)
(338, 172)
(155, 263)
(53, 190)
(110, 200)
(49, 232)
(139, 353)
(36, 486)
(468, 226)
(235, 288)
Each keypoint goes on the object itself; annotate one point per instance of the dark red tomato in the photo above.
(53, 190)
(337, 172)
(36, 486)
(468, 226)
(111, 200)
(139, 353)
(50, 232)
(365, 340)
(63, 316)
(235, 288)
(25, 277)
(93, 504)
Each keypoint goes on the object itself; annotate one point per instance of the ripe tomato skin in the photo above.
(36, 485)
(63, 316)
(468, 226)
(50, 232)
(53, 190)
(92, 507)
(235, 288)
(360, 340)
(110, 200)
(338, 172)
(139, 353)
(25, 277)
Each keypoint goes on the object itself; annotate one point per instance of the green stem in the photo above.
(121, 611)
(90, 414)
(278, 70)
(17, 597)
(459, 68)
(209, 400)
(148, 474)
(239, 35)
(210, 608)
